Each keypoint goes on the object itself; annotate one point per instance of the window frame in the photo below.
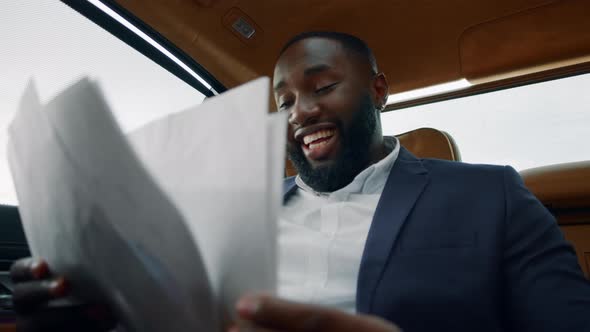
(505, 84)
(118, 30)
(479, 110)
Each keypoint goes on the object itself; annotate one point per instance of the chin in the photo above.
(321, 164)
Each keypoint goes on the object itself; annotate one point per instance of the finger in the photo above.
(29, 269)
(28, 296)
(273, 313)
(67, 319)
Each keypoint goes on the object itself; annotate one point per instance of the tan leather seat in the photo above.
(430, 143)
(565, 190)
(561, 186)
(423, 143)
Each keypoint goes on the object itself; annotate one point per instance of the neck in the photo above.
(379, 149)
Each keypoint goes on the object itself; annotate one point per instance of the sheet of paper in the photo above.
(276, 140)
(92, 210)
(129, 224)
(222, 165)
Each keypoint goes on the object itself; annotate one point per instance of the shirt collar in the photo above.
(370, 181)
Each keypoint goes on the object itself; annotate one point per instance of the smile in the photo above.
(318, 138)
(321, 144)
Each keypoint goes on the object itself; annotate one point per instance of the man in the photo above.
(428, 245)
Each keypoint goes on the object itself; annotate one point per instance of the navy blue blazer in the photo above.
(460, 247)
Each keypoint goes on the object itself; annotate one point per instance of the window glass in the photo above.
(529, 126)
(50, 42)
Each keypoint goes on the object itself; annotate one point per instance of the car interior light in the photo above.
(428, 91)
(98, 4)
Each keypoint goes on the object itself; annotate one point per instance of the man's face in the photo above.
(333, 120)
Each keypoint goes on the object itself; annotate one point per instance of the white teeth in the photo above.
(315, 145)
(317, 135)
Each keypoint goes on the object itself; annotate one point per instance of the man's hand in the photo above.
(35, 287)
(259, 313)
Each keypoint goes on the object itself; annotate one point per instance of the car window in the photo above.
(50, 42)
(528, 126)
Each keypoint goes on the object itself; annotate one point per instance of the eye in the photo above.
(285, 105)
(326, 88)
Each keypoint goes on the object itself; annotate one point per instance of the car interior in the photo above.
(465, 48)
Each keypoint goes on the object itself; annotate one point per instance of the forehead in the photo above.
(308, 53)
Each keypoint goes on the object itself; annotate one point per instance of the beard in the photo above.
(353, 157)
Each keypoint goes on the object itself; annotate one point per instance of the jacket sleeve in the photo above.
(544, 287)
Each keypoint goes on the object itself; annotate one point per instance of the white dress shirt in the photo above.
(322, 237)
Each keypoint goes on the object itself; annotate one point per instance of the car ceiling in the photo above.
(417, 43)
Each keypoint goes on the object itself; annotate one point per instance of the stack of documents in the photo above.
(170, 224)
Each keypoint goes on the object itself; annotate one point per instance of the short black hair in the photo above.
(348, 42)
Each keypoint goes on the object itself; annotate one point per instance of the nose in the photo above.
(305, 111)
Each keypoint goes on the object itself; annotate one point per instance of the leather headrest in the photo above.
(560, 186)
(430, 143)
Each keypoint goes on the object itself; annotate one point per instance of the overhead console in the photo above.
(550, 36)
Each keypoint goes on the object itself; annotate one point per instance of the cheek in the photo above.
(342, 104)
(290, 134)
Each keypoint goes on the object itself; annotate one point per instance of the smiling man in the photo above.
(430, 245)
(371, 236)
(333, 93)
(332, 90)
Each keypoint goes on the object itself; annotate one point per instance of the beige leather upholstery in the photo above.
(565, 190)
(430, 143)
(423, 143)
(562, 185)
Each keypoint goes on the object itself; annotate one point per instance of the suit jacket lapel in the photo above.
(405, 183)
(289, 188)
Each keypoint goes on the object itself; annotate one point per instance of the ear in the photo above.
(380, 90)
